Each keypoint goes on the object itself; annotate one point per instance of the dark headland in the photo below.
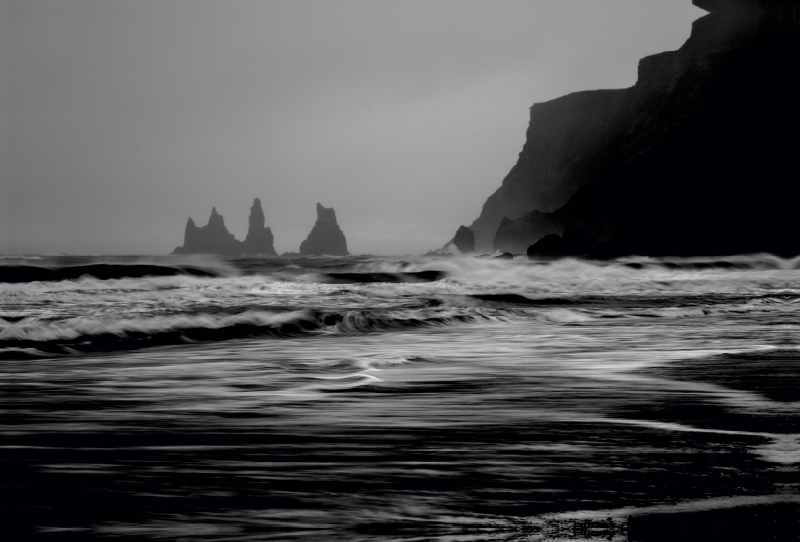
(698, 158)
(214, 237)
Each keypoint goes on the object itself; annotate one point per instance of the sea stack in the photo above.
(326, 238)
(698, 158)
(214, 237)
(259, 238)
(464, 240)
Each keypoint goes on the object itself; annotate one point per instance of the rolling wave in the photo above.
(516, 299)
(357, 278)
(364, 270)
(102, 271)
(79, 304)
(31, 338)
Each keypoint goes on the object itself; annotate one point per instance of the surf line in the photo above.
(668, 426)
(783, 448)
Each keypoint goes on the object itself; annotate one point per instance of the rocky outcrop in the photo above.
(214, 237)
(575, 242)
(516, 235)
(326, 238)
(548, 247)
(259, 238)
(464, 240)
(699, 157)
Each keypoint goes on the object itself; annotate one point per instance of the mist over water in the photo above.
(376, 399)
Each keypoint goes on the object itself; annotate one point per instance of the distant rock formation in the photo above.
(326, 238)
(464, 240)
(214, 237)
(259, 238)
(698, 158)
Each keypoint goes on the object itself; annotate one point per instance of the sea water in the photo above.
(408, 399)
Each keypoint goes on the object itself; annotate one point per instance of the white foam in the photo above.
(86, 327)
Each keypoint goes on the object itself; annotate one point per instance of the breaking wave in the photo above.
(102, 271)
(105, 305)
(516, 299)
(360, 278)
(32, 337)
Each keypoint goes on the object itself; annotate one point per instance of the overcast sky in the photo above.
(122, 118)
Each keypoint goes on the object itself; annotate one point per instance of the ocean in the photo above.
(364, 398)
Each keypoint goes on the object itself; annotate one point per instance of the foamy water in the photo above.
(373, 399)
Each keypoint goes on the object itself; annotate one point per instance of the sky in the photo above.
(120, 119)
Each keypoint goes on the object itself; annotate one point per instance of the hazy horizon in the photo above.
(123, 119)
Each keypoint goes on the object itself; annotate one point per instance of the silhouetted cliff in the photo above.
(326, 238)
(567, 140)
(214, 237)
(697, 158)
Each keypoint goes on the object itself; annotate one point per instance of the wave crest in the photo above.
(32, 337)
(103, 271)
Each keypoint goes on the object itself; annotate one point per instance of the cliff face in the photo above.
(214, 237)
(710, 160)
(699, 159)
(567, 140)
(326, 238)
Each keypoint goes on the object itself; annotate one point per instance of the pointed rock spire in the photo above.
(256, 218)
(190, 226)
(213, 238)
(259, 238)
(325, 214)
(326, 238)
(191, 233)
(215, 220)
